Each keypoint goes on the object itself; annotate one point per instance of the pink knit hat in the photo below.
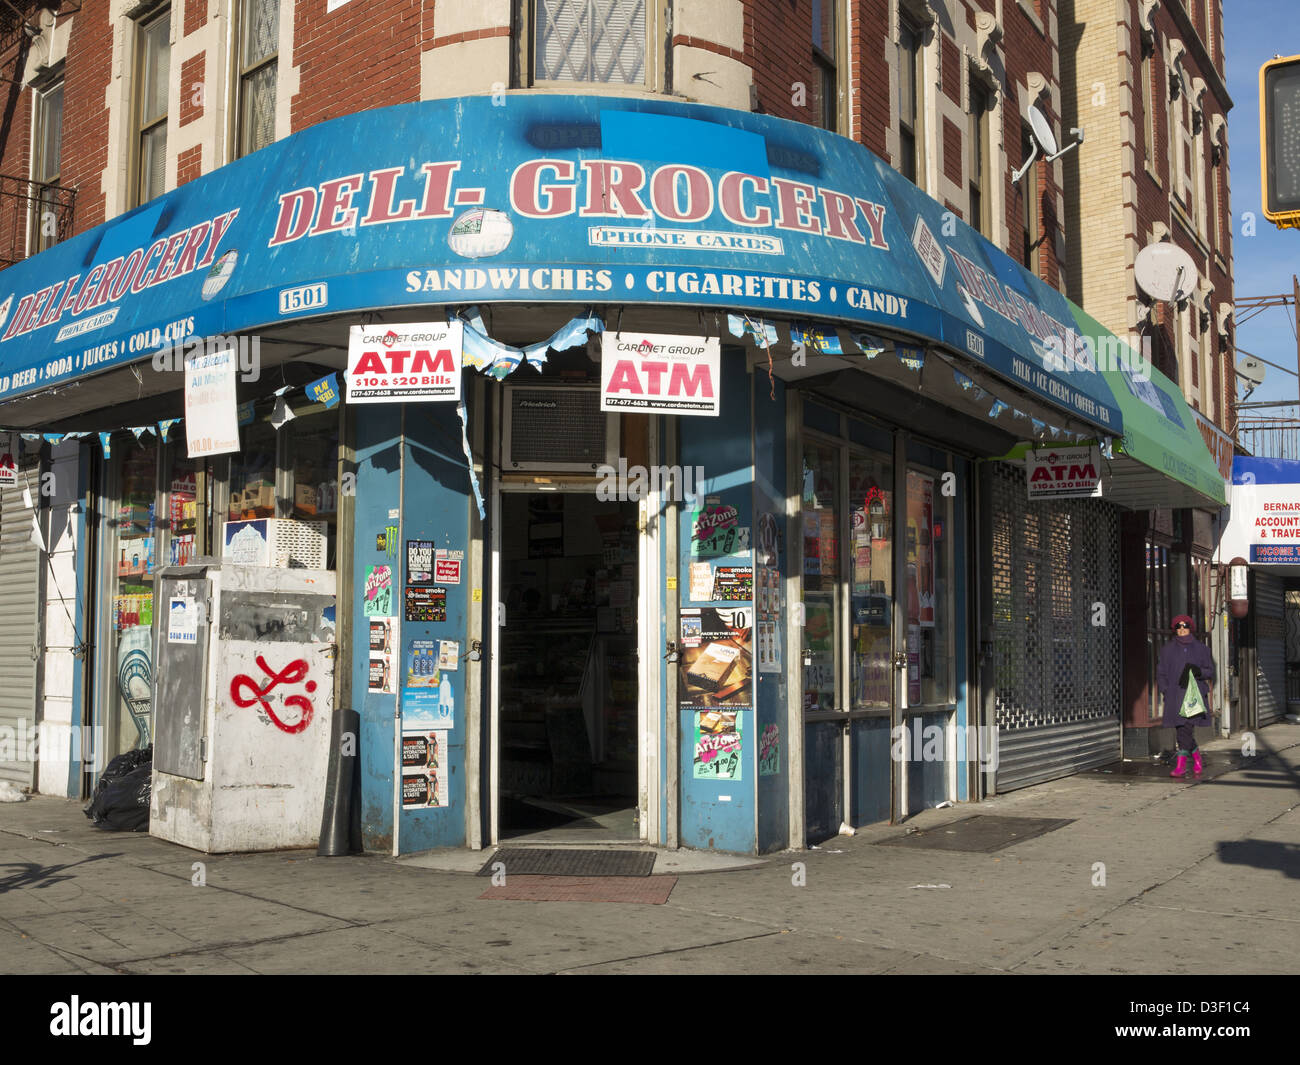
(1185, 620)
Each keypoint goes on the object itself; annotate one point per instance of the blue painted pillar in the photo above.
(717, 668)
(378, 464)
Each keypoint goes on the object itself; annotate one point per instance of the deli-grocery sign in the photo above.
(1064, 472)
(408, 363)
(658, 373)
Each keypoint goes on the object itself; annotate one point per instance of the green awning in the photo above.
(1162, 460)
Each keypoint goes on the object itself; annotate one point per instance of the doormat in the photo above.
(981, 834)
(649, 890)
(561, 861)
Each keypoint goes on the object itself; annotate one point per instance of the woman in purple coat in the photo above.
(1182, 660)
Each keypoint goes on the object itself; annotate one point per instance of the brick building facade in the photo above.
(837, 65)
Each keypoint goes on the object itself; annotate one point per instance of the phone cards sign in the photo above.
(411, 362)
(659, 373)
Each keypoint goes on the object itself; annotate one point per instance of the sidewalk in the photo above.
(1198, 877)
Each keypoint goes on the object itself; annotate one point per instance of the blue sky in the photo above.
(1254, 31)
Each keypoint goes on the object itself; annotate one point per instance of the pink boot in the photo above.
(1180, 766)
(1197, 764)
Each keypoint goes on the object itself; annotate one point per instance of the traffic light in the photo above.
(1279, 118)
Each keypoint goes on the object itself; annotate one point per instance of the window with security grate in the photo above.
(591, 40)
(259, 50)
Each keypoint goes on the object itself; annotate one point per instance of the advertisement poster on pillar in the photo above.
(411, 362)
(658, 373)
(717, 657)
(424, 772)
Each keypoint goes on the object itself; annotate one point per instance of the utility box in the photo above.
(243, 705)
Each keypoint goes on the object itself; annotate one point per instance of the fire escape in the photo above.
(34, 215)
(1268, 429)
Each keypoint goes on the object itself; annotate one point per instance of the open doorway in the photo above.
(569, 686)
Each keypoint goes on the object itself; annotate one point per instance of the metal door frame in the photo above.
(649, 627)
(844, 714)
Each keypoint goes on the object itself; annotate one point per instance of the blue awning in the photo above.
(550, 199)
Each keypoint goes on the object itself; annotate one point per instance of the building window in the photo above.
(825, 53)
(47, 150)
(259, 45)
(1149, 111)
(909, 125)
(980, 208)
(1029, 203)
(590, 40)
(1216, 220)
(154, 52)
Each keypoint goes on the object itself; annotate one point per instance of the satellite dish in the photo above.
(1251, 371)
(1165, 272)
(1042, 130)
(1045, 139)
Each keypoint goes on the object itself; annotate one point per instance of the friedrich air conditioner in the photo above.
(557, 427)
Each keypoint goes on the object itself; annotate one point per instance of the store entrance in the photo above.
(569, 686)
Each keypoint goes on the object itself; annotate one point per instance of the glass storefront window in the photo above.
(181, 486)
(821, 576)
(929, 592)
(871, 553)
(132, 562)
(314, 465)
(252, 472)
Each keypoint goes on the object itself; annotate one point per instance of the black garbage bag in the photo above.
(121, 800)
(118, 767)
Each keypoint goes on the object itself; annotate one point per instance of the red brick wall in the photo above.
(950, 66)
(952, 138)
(778, 48)
(870, 84)
(16, 126)
(189, 164)
(196, 15)
(88, 71)
(356, 58)
(1026, 50)
(193, 89)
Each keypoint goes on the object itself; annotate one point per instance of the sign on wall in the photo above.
(412, 362)
(1063, 472)
(659, 373)
(1264, 524)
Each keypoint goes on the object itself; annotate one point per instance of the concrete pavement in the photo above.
(1144, 861)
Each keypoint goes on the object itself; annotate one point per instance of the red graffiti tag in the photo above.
(291, 674)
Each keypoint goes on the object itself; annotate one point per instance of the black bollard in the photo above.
(336, 826)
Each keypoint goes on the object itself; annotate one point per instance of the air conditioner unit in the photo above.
(557, 427)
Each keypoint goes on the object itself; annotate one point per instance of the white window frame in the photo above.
(139, 127)
(918, 124)
(239, 74)
(40, 172)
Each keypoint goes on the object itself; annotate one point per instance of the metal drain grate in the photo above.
(981, 834)
(537, 861)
